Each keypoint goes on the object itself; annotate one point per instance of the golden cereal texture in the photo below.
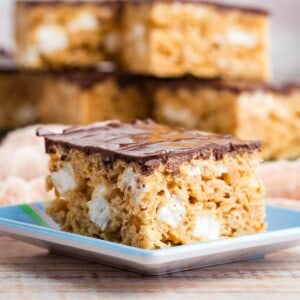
(19, 95)
(160, 209)
(267, 115)
(64, 35)
(67, 102)
(176, 39)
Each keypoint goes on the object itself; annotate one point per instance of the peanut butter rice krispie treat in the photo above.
(248, 111)
(19, 93)
(150, 186)
(87, 96)
(201, 38)
(55, 34)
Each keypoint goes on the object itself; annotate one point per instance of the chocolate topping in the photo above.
(146, 143)
(193, 83)
(87, 78)
(138, 2)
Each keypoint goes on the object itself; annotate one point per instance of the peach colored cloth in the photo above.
(23, 166)
(281, 179)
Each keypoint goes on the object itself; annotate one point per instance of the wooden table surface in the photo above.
(28, 272)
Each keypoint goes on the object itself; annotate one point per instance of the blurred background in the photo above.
(23, 163)
(284, 28)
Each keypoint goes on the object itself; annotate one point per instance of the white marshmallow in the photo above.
(221, 169)
(236, 36)
(191, 171)
(64, 179)
(180, 115)
(99, 211)
(266, 102)
(128, 179)
(171, 213)
(51, 38)
(206, 227)
(241, 37)
(84, 21)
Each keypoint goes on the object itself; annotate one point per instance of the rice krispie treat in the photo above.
(55, 34)
(150, 186)
(19, 93)
(248, 111)
(87, 96)
(201, 38)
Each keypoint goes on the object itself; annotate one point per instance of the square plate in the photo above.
(31, 224)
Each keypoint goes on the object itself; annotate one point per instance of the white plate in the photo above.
(30, 224)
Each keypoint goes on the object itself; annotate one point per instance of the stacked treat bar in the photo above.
(19, 95)
(246, 110)
(157, 37)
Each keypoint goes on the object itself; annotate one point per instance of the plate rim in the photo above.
(11, 226)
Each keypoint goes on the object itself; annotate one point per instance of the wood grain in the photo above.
(28, 272)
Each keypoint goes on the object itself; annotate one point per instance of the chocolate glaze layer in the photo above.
(193, 83)
(139, 2)
(87, 78)
(145, 143)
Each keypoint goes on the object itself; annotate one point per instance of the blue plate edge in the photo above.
(125, 249)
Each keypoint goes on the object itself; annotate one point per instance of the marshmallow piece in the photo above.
(51, 38)
(240, 37)
(172, 213)
(206, 227)
(174, 114)
(64, 179)
(99, 211)
(84, 21)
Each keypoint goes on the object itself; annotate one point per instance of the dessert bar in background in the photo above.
(56, 34)
(87, 96)
(116, 181)
(176, 38)
(20, 92)
(248, 111)
(161, 38)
